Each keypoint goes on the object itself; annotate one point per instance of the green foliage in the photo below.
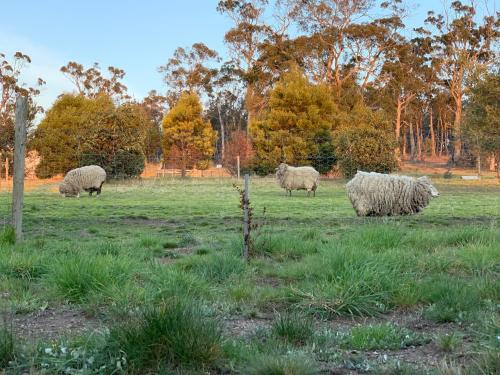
(8, 235)
(296, 128)
(482, 116)
(365, 148)
(79, 131)
(187, 138)
(176, 333)
(449, 341)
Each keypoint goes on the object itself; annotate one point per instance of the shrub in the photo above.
(365, 148)
(123, 164)
(175, 334)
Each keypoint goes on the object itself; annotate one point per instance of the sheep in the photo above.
(89, 178)
(297, 178)
(376, 194)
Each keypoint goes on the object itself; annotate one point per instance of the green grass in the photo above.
(173, 334)
(144, 246)
(381, 336)
(7, 347)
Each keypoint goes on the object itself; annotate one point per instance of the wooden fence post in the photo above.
(19, 155)
(246, 219)
(238, 165)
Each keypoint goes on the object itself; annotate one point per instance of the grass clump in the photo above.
(175, 334)
(8, 235)
(449, 341)
(382, 336)
(7, 347)
(76, 277)
(281, 365)
(214, 267)
(293, 328)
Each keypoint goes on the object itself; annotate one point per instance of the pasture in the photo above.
(148, 278)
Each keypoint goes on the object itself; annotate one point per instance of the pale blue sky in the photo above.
(137, 36)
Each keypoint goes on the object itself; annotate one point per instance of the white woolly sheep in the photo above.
(89, 178)
(297, 178)
(376, 194)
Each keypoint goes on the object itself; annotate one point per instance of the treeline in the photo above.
(319, 82)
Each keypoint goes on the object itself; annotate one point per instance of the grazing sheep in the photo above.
(297, 178)
(89, 178)
(376, 194)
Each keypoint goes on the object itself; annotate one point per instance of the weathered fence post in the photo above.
(246, 219)
(238, 166)
(19, 155)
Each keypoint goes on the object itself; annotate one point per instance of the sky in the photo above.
(137, 36)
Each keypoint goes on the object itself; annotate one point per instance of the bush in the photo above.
(174, 334)
(365, 148)
(124, 164)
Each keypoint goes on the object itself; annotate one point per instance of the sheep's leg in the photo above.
(90, 192)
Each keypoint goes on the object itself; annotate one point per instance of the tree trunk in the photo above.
(397, 151)
(222, 134)
(412, 142)
(478, 164)
(418, 130)
(457, 134)
(183, 164)
(404, 142)
(492, 162)
(433, 136)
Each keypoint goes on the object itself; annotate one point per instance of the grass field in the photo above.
(148, 278)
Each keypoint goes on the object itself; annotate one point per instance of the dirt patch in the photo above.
(242, 327)
(269, 281)
(173, 255)
(51, 324)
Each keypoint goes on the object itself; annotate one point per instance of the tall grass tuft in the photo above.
(293, 328)
(174, 334)
(7, 347)
(284, 365)
(214, 267)
(8, 235)
(76, 277)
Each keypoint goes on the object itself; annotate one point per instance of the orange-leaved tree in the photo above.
(187, 135)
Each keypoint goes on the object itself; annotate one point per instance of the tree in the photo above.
(155, 108)
(187, 135)
(189, 70)
(91, 83)
(482, 118)
(343, 49)
(300, 113)
(365, 148)
(239, 145)
(243, 41)
(79, 131)
(10, 87)
(462, 47)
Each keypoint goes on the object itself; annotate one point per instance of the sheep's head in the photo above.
(280, 171)
(67, 190)
(424, 181)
